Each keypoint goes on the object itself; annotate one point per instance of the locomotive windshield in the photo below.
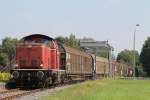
(45, 41)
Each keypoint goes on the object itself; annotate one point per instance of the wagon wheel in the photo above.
(62, 78)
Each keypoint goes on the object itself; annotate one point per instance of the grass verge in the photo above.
(105, 89)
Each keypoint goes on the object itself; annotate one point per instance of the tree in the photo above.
(9, 45)
(3, 59)
(60, 39)
(102, 54)
(71, 41)
(145, 56)
(140, 71)
(7, 50)
(0, 48)
(126, 57)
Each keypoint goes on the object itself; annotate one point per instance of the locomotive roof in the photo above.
(37, 35)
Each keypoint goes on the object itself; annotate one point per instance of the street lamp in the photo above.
(134, 65)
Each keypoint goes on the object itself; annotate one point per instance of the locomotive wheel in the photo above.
(54, 78)
(40, 84)
(48, 82)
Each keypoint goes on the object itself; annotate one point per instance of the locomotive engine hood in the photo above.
(30, 52)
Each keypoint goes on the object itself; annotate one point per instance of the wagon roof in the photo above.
(76, 51)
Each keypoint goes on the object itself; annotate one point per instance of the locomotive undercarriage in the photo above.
(37, 78)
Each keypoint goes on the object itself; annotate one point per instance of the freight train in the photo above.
(41, 61)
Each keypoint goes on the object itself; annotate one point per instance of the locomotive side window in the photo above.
(46, 42)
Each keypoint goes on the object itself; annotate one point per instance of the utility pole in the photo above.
(134, 63)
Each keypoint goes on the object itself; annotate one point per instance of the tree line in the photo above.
(7, 53)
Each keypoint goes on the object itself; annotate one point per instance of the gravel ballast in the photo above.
(37, 95)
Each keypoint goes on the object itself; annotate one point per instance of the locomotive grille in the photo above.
(22, 62)
(35, 63)
(26, 74)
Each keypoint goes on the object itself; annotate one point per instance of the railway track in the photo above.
(16, 93)
(7, 91)
(12, 94)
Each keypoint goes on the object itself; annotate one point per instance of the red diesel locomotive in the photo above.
(41, 61)
(38, 61)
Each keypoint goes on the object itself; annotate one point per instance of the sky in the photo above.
(112, 20)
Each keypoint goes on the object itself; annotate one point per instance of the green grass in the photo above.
(105, 89)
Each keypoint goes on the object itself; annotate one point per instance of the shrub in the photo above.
(5, 76)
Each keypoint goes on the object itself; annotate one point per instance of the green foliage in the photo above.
(60, 39)
(3, 59)
(7, 50)
(5, 76)
(102, 54)
(9, 44)
(140, 72)
(145, 56)
(71, 41)
(1, 49)
(126, 57)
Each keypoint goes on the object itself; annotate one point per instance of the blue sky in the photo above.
(112, 20)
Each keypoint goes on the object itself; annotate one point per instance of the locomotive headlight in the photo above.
(16, 65)
(15, 74)
(40, 74)
(29, 46)
(41, 65)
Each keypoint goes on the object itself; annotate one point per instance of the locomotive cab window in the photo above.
(37, 40)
